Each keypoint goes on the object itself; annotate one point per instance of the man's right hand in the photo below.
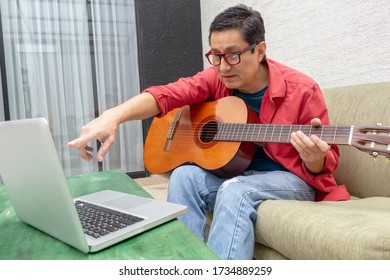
(103, 129)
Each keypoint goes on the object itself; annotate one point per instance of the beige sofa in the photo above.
(355, 229)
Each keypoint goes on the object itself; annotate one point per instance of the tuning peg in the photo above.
(375, 154)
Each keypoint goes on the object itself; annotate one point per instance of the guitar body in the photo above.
(189, 144)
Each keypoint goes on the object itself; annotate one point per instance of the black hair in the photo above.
(243, 18)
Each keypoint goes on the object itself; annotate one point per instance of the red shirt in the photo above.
(291, 98)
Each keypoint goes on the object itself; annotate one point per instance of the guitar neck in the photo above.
(232, 132)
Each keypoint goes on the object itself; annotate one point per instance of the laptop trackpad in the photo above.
(126, 202)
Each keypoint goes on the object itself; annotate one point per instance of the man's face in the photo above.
(245, 75)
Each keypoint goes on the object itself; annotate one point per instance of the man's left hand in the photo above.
(311, 149)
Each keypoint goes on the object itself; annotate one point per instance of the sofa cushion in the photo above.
(355, 229)
(263, 252)
(366, 104)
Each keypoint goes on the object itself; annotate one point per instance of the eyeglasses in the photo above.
(231, 58)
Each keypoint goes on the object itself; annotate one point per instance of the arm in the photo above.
(154, 101)
(104, 128)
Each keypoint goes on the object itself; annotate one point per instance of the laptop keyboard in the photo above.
(98, 221)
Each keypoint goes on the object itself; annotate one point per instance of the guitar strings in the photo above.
(330, 134)
(251, 132)
(223, 128)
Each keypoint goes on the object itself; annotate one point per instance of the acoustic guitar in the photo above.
(221, 136)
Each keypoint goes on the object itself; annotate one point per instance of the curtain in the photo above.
(1, 115)
(1, 103)
(68, 60)
(114, 30)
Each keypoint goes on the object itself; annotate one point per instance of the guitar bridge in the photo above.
(172, 130)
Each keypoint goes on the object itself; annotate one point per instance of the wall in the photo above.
(337, 42)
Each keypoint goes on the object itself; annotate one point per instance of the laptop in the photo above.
(39, 193)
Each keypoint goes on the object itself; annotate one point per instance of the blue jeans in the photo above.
(234, 204)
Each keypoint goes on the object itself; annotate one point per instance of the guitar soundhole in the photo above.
(208, 132)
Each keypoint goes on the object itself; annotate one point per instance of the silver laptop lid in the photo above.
(35, 181)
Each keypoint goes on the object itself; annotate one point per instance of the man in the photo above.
(280, 95)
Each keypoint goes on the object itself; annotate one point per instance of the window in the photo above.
(68, 61)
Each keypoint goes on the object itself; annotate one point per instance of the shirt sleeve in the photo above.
(203, 86)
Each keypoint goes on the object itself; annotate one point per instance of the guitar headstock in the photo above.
(372, 139)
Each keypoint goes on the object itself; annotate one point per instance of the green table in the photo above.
(171, 240)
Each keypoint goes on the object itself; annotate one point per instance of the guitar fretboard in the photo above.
(279, 133)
